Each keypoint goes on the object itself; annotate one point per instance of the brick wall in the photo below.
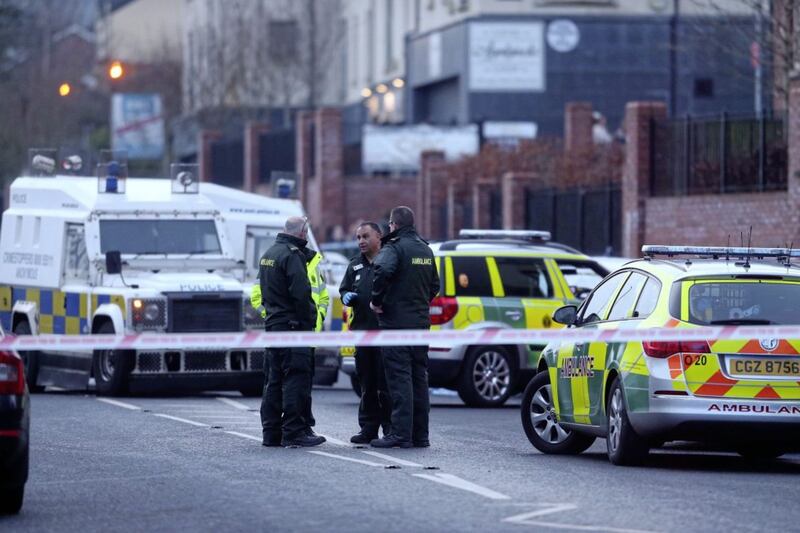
(708, 220)
(371, 198)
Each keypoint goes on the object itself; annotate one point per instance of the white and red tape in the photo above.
(410, 337)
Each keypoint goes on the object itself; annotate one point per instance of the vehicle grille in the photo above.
(205, 361)
(257, 360)
(205, 315)
(149, 362)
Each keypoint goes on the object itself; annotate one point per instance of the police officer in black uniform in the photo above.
(286, 294)
(405, 281)
(375, 409)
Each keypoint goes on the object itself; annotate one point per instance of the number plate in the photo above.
(764, 366)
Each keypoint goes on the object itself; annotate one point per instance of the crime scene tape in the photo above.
(408, 337)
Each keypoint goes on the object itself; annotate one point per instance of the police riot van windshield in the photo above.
(159, 236)
(757, 302)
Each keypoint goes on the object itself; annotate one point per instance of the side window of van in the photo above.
(76, 260)
(471, 276)
(524, 277)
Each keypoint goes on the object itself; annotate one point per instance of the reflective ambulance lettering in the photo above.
(421, 261)
(761, 409)
(572, 367)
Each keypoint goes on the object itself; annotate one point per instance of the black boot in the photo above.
(303, 441)
(390, 441)
(363, 437)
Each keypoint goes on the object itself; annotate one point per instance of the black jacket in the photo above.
(405, 280)
(358, 279)
(285, 289)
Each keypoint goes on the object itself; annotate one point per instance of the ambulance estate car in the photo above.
(186, 256)
(743, 394)
(499, 279)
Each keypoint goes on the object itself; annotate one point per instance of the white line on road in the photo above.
(456, 482)
(525, 519)
(119, 404)
(234, 403)
(244, 435)
(335, 441)
(225, 417)
(402, 462)
(343, 458)
(178, 419)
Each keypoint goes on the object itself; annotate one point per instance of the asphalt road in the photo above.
(195, 463)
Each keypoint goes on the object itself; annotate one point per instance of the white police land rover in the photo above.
(86, 255)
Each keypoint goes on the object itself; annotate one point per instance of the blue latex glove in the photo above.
(349, 298)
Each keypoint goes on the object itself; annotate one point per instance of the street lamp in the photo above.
(64, 89)
(115, 71)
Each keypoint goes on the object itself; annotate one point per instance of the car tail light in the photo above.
(12, 374)
(443, 309)
(663, 349)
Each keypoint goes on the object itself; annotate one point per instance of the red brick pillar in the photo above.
(513, 186)
(793, 177)
(578, 127)
(431, 192)
(329, 209)
(636, 172)
(304, 145)
(204, 140)
(252, 154)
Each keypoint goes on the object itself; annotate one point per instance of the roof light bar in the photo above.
(718, 251)
(519, 234)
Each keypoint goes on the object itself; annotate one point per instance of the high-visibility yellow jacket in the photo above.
(319, 292)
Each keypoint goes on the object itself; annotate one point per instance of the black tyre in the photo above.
(30, 358)
(487, 377)
(111, 368)
(541, 425)
(624, 446)
(760, 453)
(355, 384)
(252, 391)
(11, 499)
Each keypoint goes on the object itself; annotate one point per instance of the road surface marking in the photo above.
(225, 417)
(526, 519)
(244, 435)
(119, 404)
(335, 441)
(456, 482)
(402, 462)
(234, 403)
(178, 419)
(343, 458)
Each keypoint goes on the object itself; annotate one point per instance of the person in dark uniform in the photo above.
(404, 282)
(375, 409)
(286, 295)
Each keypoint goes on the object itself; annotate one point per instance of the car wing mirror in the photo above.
(113, 262)
(566, 315)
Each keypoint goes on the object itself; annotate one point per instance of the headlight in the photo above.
(150, 313)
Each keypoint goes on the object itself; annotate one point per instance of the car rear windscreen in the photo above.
(744, 302)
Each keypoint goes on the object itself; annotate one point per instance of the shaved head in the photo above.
(296, 226)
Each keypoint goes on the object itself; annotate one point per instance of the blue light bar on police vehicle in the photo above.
(717, 252)
(519, 234)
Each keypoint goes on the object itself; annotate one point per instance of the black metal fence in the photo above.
(277, 153)
(723, 154)
(587, 219)
(227, 162)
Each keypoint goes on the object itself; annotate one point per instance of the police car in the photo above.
(498, 279)
(112, 254)
(743, 394)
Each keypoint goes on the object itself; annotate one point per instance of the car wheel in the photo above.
(252, 392)
(111, 368)
(624, 446)
(541, 424)
(355, 384)
(764, 452)
(487, 377)
(11, 499)
(30, 358)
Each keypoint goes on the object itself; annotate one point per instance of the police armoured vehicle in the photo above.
(112, 254)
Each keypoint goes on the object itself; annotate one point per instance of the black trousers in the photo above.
(286, 402)
(375, 409)
(407, 379)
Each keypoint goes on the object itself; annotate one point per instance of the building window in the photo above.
(704, 88)
(283, 38)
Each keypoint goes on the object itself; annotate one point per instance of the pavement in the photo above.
(196, 463)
